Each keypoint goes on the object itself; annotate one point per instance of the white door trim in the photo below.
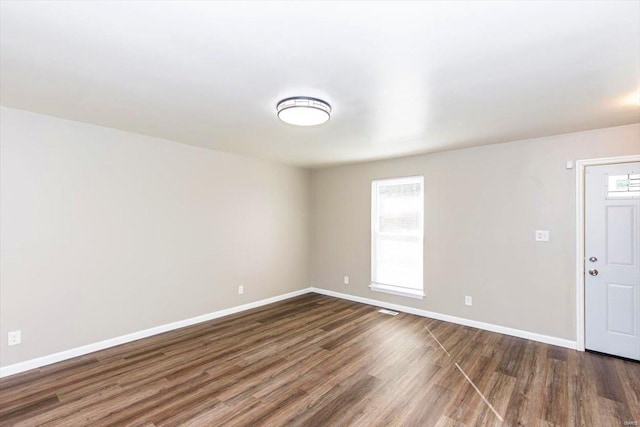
(581, 165)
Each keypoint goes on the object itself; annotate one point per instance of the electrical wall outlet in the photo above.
(14, 338)
(240, 290)
(468, 300)
(346, 280)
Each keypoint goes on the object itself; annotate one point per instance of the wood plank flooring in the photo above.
(320, 361)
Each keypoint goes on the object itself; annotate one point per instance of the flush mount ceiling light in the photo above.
(303, 111)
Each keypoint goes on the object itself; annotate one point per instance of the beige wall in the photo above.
(105, 233)
(482, 206)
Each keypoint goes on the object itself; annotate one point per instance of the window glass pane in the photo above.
(623, 186)
(399, 261)
(399, 208)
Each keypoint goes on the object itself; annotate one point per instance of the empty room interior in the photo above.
(358, 213)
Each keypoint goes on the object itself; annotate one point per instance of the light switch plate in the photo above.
(542, 235)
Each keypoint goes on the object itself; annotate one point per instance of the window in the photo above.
(397, 235)
(623, 186)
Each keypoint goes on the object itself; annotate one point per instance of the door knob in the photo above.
(593, 259)
(593, 272)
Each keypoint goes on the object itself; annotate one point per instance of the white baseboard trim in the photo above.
(123, 339)
(561, 342)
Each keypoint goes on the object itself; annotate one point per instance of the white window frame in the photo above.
(388, 288)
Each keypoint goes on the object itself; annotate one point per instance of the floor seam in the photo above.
(485, 400)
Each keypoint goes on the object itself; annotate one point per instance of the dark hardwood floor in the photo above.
(320, 361)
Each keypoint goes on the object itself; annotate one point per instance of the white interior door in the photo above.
(612, 259)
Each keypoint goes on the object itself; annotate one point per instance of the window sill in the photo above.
(394, 290)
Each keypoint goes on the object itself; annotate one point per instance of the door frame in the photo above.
(581, 166)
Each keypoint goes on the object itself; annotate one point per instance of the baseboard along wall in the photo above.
(561, 342)
(123, 339)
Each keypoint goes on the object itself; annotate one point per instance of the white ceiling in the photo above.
(402, 78)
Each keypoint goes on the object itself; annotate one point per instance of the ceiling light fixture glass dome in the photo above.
(303, 111)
